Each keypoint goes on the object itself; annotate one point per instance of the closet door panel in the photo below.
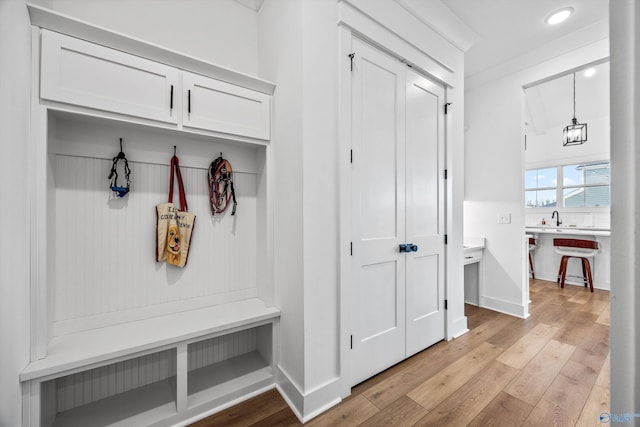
(425, 212)
(85, 74)
(217, 106)
(378, 97)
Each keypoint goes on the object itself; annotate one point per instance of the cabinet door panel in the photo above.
(217, 106)
(85, 74)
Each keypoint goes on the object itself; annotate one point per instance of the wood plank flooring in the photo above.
(550, 369)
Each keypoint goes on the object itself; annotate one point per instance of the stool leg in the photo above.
(564, 270)
(560, 270)
(584, 271)
(533, 273)
(590, 278)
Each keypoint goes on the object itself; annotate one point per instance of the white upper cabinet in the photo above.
(80, 73)
(83, 74)
(210, 104)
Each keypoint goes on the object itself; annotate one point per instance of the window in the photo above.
(540, 186)
(584, 185)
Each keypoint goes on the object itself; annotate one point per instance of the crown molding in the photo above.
(251, 4)
(435, 15)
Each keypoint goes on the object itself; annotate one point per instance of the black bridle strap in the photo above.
(113, 175)
(221, 188)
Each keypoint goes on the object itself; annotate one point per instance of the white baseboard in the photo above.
(308, 405)
(505, 307)
(290, 392)
(458, 327)
(596, 285)
(321, 398)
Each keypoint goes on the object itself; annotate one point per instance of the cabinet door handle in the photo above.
(189, 101)
(171, 99)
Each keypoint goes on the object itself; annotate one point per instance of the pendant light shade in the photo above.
(575, 133)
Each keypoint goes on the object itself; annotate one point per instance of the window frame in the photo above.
(560, 186)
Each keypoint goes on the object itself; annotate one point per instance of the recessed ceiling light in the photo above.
(589, 72)
(559, 16)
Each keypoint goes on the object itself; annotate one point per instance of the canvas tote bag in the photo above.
(174, 227)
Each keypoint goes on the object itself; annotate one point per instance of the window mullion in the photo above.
(559, 187)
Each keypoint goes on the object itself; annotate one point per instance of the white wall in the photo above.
(280, 52)
(320, 191)
(298, 45)
(625, 158)
(222, 31)
(15, 60)
(494, 173)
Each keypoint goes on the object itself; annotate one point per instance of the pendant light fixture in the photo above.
(575, 133)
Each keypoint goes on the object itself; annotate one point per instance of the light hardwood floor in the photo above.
(551, 369)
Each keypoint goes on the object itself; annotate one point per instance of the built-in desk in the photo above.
(473, 253)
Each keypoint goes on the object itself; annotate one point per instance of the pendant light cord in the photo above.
(574, 95)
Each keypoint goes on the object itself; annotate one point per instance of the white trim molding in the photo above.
(307, 405)
(437, 16)
(505, 307)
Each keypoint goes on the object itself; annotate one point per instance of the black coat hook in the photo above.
(121, 153)
(174, 150)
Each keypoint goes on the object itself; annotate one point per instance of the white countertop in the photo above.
(473, 244)
(583, 231)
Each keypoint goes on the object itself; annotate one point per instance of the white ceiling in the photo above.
(550, 104)
(508, 29)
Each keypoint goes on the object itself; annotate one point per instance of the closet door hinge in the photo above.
(445, 239)
(350, 156)
(445, 174)
(351, 248)
(446, 304)
(446, 107)
(351, 342)
(351, 56)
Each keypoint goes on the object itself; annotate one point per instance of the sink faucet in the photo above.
(556, 215)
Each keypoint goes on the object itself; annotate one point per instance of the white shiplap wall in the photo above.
(214, 350)
(103, 266)
(96, 384)
(105, 247)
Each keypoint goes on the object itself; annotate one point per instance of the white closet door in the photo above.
(424, 212)
(378, 293)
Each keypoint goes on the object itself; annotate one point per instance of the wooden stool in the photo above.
(532, 246)
(576, 248)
